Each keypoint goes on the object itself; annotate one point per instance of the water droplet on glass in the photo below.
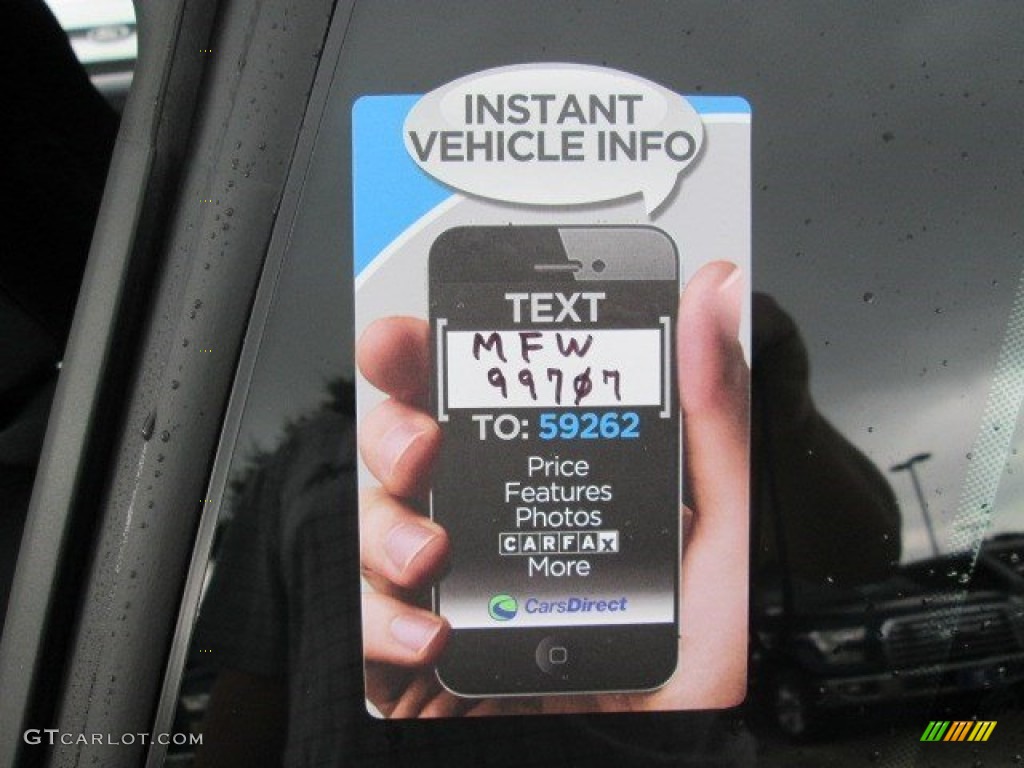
(149, 425)
(165, 436)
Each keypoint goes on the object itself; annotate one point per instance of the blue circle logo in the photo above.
(503, 607)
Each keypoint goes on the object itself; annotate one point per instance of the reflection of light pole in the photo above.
(908, 465)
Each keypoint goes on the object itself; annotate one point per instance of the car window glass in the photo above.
(887, 548)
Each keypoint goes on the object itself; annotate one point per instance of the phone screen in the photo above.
(559, 475)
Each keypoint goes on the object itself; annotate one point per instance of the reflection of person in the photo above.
(403, 552)
(279, 622)
(816, 493)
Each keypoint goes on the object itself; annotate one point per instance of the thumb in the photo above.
(713, 381)
(714, 392)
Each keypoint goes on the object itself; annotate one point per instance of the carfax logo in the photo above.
(503, 607)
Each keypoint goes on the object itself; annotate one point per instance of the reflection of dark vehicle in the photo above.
(1005, 555)
(934, 628)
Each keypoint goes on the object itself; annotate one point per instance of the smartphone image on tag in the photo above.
(559, 477)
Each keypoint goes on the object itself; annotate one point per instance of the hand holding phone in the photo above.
(403, 552)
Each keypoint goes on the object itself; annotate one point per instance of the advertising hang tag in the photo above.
(523, 236)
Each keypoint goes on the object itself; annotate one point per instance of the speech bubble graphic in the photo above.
(555, 134)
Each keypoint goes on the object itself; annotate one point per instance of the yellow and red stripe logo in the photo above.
(958, 730)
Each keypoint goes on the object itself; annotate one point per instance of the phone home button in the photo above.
(553, 655)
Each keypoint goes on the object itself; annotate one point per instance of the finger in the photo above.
(713, 383)
(507, 706)
(397, 544)
(713, 387)
(399, 692)
(394, 355)
(396, 633)
(446, 704)
(416, 696)
(419, 598)
(385, 685)
(423, 697)
(399, 445)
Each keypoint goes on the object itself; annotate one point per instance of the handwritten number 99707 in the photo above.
(582, 384)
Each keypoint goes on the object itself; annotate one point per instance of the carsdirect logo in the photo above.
(503, 607)
(576, 605)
